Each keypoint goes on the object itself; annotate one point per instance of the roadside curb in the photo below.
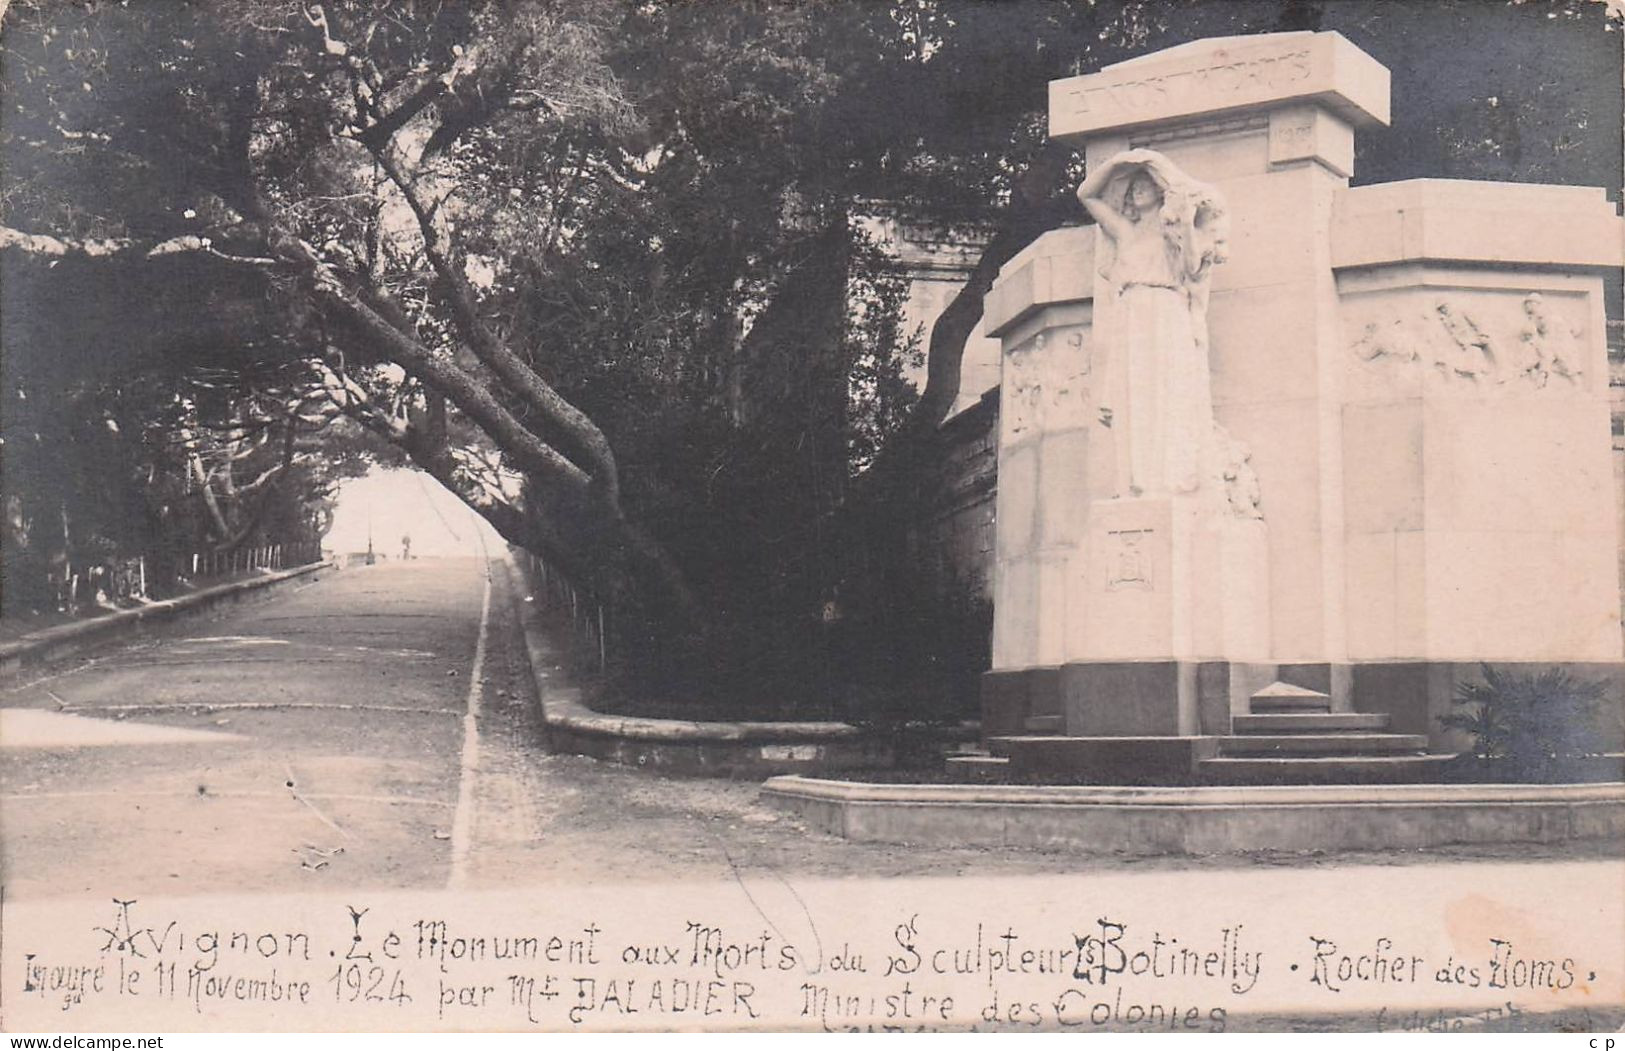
(679, 746)
(65, 640)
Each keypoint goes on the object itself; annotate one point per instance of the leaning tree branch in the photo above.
(530, 531)
(569, 426)
(44, 247)
(529, 451)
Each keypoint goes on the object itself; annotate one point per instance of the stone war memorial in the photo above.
(1283, 461)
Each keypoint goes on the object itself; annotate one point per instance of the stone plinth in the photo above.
(1043, 494)
(1417, 369)
(1162, 579)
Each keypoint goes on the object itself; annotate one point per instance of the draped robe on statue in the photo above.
(1157, 391)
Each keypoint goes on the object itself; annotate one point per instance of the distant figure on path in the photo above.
(406, 547)
(1162, 233)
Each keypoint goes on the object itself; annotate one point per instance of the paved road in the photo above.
(242, 750)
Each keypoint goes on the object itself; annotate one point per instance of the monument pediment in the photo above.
(1211, 77)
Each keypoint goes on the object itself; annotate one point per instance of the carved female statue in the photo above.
(1163, 231)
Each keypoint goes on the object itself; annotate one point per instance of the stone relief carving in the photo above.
(1237, 480)
(1046, 382)
(1129, 565)
(1021, 386)
(1549, 347)
(1391, 341)
(1066, 401)
(1466, 350)
(1445, 340)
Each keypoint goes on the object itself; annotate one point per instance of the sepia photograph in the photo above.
(807, 516)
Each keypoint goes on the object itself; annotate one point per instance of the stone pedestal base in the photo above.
(1184, 698)
(1121, 698)
(1104, 760)
(1167, 595)
(1173, 577)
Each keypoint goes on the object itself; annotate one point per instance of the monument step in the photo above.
(1260, 703)
(1045, 724)
(1288, 689)
(1329, 744)
(1281, 696)
(1323, 770)
(1052, 758)
(1307, 722)
(978, 769)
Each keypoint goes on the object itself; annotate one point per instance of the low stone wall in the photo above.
(66, 640)
(1203, 820)
(702, 749)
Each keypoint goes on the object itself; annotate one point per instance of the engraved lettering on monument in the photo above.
(1271, 72)
(1289, 137)
(1162, 234)
(1154, 136)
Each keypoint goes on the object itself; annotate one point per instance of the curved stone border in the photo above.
(672, 746)
(1203, 820)
(65, 640)
(564, 709)
(685, 747)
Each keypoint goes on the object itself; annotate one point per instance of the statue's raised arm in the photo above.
(1094, 196)
(1142, 200)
